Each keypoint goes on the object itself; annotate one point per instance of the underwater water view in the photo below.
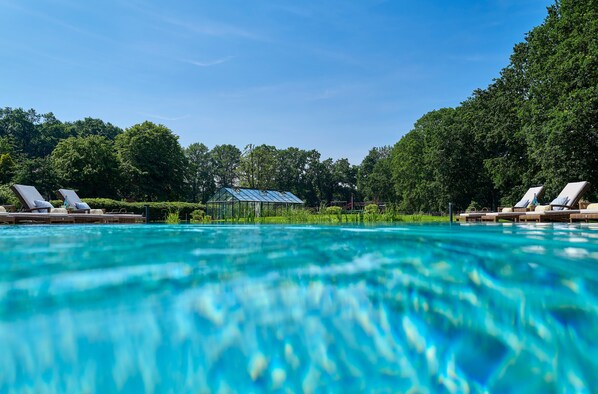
(286, 308)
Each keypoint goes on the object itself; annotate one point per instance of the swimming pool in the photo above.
(194, 308)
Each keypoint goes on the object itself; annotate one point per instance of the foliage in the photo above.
(371, 213)
(200, 174)
(199, 216)
(333, 210)
(38, 172)
(157, 210)
(152, 162)
(90, 126)
(560, 113)
(7, 197)
(7, 167)
(374, 175)
(172, 217)
(225, 161)
(304, 216)
(88, 165)
(257, 167)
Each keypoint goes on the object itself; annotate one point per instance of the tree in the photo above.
(88, 165)
(344, 179)
(152, 162)
(200, 174)
(291, 171)
(374, 176)
(31, 134)
(91, 126)
(38, 172)
(560, 114)
(225, 160)
(7, 167)
(7, 163)
(18, 127)
(257, 168)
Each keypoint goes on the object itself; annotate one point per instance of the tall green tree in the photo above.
(225, 161)
(291, 171)
(152, 162)
(91, 126)
(374, 176)
(344, 178)
(88, 165)
(493, 116)
(560, 114)
(200, 173)
(40, 173)
(257, 168)
(30, 133)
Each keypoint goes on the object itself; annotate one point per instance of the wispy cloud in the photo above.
(212, 28)
(208, 63)
(56, 21)
(326, 94)
(160, 117)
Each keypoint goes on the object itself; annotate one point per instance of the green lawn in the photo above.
(355, 218)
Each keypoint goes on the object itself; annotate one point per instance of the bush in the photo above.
(157, 210)
(199, 216)
(7, 197)
(371, 213)
(172, 217)
(371, 209)
(334, 210)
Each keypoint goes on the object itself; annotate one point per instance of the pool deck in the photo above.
(70, 218)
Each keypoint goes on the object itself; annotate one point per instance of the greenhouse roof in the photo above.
(255, 195)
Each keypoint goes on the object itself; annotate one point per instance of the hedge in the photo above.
(157, 210)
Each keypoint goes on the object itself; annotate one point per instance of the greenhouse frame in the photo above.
(230, 202)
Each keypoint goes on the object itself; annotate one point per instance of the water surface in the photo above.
(172, 309)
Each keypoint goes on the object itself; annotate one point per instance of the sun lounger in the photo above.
(30, 198)
(586, 215)
(84, 214)
(33, 212)
(518, 208)
(562, 207)
(35, 208)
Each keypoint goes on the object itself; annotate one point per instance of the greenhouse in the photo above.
(231, 202)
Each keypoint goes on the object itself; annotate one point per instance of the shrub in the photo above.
(199, 216)
(172, 217)
(7, 197)
(371, 209)
(157, 210)
(333, 210)
(371, 213)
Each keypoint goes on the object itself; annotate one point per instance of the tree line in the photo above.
(537, 123)
(146, 162)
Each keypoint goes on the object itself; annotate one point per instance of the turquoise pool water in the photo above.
(413, 308)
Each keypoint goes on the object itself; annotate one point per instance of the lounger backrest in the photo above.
(71, 195)
(529, 195)
(574, 191)
(27, 195)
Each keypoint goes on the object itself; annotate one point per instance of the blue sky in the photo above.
(335, 75)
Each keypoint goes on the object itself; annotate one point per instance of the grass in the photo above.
(304, 216)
